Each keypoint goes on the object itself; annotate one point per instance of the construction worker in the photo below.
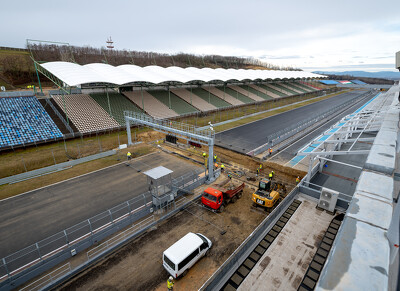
(270, 151)
(297, 180)
(260, 167)
(170, 283)
(204, 155)
(216, 165)
(258, 171)
(229, 176)
(128, 156)
(215, 158)
(271, 175)
(222, 168)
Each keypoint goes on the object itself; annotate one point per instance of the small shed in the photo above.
(160, 183)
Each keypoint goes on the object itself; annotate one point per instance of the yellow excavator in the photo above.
(268, 193)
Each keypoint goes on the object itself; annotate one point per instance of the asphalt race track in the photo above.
(36, 215)
(250, 136)
(289, 152)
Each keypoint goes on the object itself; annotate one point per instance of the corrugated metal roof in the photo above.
(158, 172)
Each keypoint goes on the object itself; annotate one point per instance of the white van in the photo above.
(183, 254)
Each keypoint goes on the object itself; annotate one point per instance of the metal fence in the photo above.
(16, 262)
(288, 132)
(24, 265)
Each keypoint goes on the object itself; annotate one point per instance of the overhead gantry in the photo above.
(181, 130)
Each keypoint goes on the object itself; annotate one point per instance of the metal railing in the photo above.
(286, 133)
(24, 265)
(59, 115)
(38, 252)
(175, 125)
(49, 278)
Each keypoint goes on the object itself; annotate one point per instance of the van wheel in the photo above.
(207, 253)
(240, 195)
(184, 273)
(234, 199)
(222, 208)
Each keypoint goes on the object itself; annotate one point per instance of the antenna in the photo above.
(110, 43)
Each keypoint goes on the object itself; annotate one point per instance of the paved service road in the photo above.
(250, 136)
(36, 215)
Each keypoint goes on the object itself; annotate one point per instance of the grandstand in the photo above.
(235, 94)
(305, 87)
(173, 102)
(246, 93)
(284, 89)
(23, 120)
(311, 85)
(256, 92)
(273, 89)
(210, 98)
(85, 113)
(263, 90)
(223, 95)
(292, 88)
(115, 104)
(298, 87)
(150, 104)
(193, 99)
(358, 82)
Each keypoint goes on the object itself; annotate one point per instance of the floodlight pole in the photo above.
(37, 74)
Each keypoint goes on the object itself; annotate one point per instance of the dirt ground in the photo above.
(138, 266)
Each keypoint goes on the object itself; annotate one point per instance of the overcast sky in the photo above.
(312, 35)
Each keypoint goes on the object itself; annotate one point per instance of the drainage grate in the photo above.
(241, 273)
(314, 269)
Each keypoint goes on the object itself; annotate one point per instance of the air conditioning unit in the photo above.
(328, 199)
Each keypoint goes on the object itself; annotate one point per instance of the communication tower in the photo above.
(110, 43)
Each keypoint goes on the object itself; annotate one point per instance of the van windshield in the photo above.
(202, 238)
(169, 263)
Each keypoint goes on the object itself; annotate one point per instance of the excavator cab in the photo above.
(267, 193)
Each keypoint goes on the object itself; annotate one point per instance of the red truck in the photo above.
(217, 199)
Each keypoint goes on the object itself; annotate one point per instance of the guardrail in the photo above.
(288, 132)
(18, 268)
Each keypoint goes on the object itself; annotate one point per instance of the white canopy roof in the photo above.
(73, 74)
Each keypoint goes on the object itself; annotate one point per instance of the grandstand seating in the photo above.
(23, 120)
(311, 85)
(224, 96)
(273, 89)
(264, 90)
(235, 94)
(246, 93)
(152, 105)
(259, 92)
(296, 87)
(358, 82)
(178, 105)
(118, 104)
(193, 99)
(307, 88)
(85, 113)
(291, 88)
(284, 89)
(210, 98)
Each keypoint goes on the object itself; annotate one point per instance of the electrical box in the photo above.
(328, 199)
